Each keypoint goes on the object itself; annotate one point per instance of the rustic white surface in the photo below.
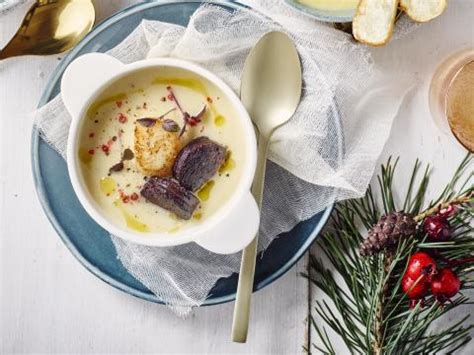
(51, 304)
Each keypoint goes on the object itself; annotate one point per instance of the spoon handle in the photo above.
(249, 255)
(259, 178)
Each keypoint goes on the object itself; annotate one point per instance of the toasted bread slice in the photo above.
(155, 148)
(423, 10)
(373, 22)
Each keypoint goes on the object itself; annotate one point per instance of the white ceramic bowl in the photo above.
(229, 229)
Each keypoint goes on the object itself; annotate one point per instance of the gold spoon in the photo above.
(51, 27)
(270, 91)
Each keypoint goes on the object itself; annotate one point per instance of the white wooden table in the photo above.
(51, 304)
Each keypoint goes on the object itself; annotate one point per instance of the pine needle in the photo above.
(369, 310)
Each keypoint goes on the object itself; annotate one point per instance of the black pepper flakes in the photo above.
(116, 168)
(128, 154)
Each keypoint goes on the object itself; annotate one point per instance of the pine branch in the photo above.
(369, 310)
(464, 198)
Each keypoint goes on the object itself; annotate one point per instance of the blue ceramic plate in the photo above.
(323, 15)
(91, 244)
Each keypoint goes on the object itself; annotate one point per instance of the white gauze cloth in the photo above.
(325, 153)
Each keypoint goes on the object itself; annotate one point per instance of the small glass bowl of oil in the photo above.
(451, 97)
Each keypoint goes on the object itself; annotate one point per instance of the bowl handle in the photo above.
(85, 75)
(236, 231)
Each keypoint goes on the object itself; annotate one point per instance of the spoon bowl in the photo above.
(271, 82)
(270, 91)
(51, 27)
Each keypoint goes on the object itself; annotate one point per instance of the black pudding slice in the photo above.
(197, 162)
(170, 195)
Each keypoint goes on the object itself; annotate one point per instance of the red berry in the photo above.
(437, 228)
(421, 264)
(447, 212)
(134, 196)
(415, 288)
(445, 285)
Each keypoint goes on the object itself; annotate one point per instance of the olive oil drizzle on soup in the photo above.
(108, 131)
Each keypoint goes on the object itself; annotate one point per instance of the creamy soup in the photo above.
(331, 4)
(107, 140)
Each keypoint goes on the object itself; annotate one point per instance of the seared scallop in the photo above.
(156, 146)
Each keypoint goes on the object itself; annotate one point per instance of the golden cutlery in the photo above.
(270, 91)
(51, 27)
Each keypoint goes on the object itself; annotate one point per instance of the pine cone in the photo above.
(387, 233)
